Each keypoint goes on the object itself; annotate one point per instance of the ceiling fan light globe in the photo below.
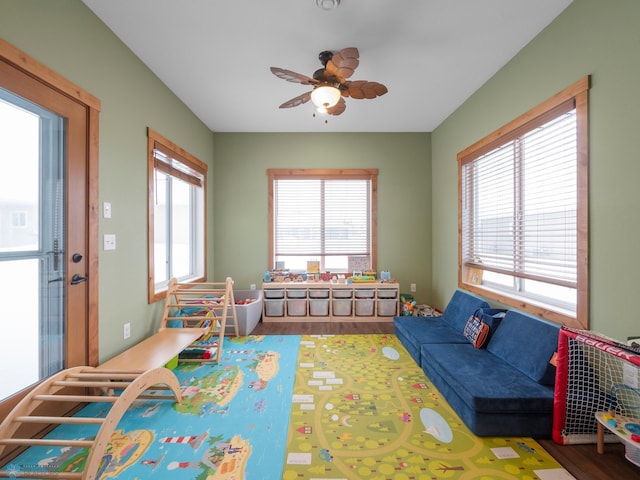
(325, 96)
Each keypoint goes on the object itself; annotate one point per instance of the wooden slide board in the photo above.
(154, 351)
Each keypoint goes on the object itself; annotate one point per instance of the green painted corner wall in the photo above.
(67, 37)
(590, 37)
(417, 190)
(404, 197)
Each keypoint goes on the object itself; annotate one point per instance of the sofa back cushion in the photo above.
(527, 343)
(461, 306)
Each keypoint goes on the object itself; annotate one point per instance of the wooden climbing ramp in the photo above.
(81, 386)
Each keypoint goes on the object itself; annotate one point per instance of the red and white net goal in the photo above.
(594, 374)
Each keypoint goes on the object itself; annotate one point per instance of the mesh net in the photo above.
(595, 374)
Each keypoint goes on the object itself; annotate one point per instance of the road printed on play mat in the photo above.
(362, 409)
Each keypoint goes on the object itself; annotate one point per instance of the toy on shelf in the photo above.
(245, 301)
(193, 353)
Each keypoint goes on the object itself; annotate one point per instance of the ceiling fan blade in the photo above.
(338, 108)
(294, 77)
(297, 101)
(343, 64)
(359, 89)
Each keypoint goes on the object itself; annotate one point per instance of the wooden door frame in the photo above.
(36, 70)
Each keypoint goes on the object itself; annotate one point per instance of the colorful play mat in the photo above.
(300, 407)
(363, 409)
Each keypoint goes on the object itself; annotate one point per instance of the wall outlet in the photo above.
(413, 287)
(109, 241)
(127, 330)
(252, 286)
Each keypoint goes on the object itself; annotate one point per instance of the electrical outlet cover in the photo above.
(109, 241)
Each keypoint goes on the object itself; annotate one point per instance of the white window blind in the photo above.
(519, 205)
(325, 219)
(179, 168)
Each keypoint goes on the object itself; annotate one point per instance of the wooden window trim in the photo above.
(578, 93)
(167, 147)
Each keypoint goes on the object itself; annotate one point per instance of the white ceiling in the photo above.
(431, 54)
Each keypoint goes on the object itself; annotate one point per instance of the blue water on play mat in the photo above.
(234, 418)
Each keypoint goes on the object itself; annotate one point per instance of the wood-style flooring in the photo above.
(582, 461)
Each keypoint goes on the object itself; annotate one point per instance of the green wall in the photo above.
(417, 194)
(68, 38)
(590, 37)
(404, 197)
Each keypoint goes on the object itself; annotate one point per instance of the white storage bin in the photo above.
(273, 308)
(364, 307)
(342, 293)
(273, 293)
(341, 308)
(297, 293)
(318, 293)
(387, 293)
(297, 308)
(248, 315)
(319, 307)
(361, 293)
(387, 308)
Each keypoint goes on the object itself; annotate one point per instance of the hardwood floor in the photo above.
(582, 461)
(313, 328)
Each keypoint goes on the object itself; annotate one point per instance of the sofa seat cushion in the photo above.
(414, 331)
(484, 382)
(527, 343)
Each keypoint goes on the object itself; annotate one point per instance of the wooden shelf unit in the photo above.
(330, 302)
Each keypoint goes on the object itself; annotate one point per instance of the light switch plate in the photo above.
(106, 210)
(109, 241)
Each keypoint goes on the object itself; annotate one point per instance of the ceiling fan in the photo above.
(330, 84)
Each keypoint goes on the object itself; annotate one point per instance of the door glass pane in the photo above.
(19, 342)
(32, 257)
(19, 194)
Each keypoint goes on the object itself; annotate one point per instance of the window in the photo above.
(322, 215)
(177, 225)
(523, 211)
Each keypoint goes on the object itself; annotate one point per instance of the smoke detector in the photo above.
(327, 5)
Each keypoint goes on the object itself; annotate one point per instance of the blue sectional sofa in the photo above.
(415, 331)
(503, 389)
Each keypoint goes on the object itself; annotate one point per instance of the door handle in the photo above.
(77, 278)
